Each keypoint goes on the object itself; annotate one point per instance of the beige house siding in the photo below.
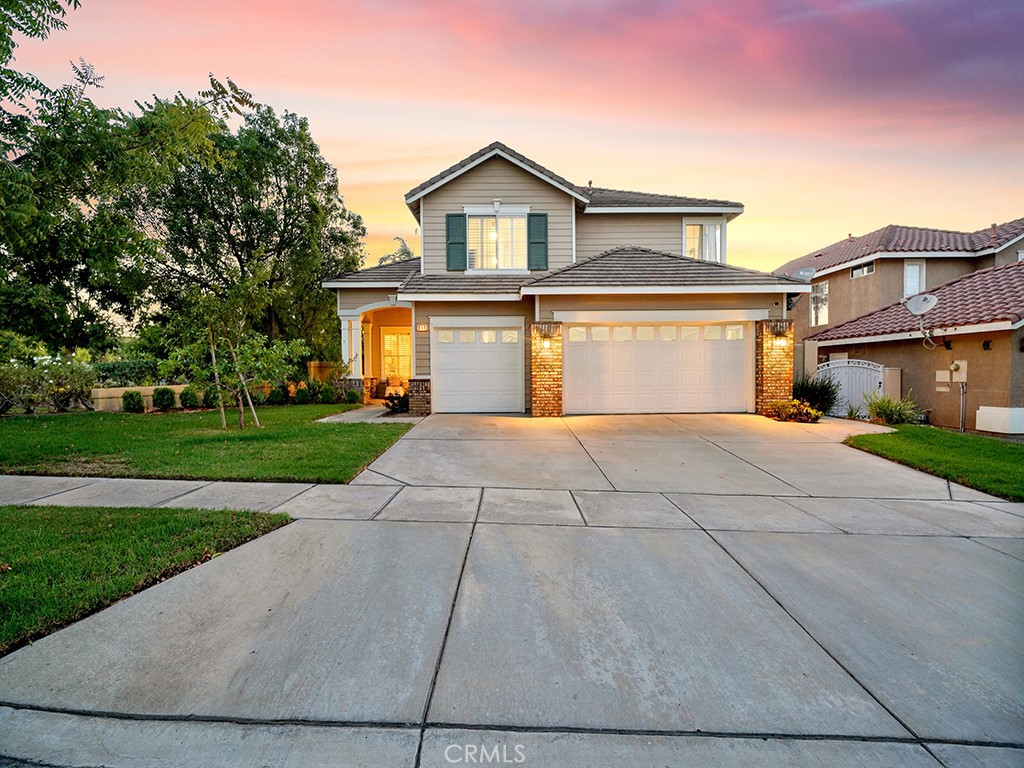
(498, 179)
(354, 298)
(773, 302)
(423, 311)
(598, 232)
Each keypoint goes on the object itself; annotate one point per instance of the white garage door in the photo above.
(671, 368)
(477, 370)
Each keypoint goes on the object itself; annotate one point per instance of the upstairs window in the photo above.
(863, 269)
(705, 241)
(913, 277)
(819, 303)
(496, 242)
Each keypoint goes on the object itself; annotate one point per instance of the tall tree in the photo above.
(401, 253)
(268, 214)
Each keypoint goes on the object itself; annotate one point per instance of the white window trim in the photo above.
(692, 221)
(502, 210)
(810, 306)
(496, 272)
(924, 280)
(853, 270)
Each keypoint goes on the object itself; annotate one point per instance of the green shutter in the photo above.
(537, 237)
(455, 238)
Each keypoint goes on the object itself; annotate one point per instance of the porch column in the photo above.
(368, 350)
(345, 340)
(356, 348)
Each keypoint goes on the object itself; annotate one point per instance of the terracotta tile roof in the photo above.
(896, 238)
(987, 296)
(396, 272)
(459, 283)
(636, 266)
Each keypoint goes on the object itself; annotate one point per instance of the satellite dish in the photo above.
(921, 304)
(804, 274)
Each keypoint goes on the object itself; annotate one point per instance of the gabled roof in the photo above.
(993, 295)
(394, 273)
(591, 197)
(634, 266)
(895, 238)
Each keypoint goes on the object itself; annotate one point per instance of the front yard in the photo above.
(292, 446)
(984, 463)
(59, 564)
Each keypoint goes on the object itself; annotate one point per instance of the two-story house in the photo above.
(536, 294)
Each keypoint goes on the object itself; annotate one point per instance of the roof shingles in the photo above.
(396, 272)
(986, 296)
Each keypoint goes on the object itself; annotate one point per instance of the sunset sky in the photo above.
(824, 117)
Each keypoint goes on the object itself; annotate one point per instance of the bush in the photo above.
(132, 402)
(886, 410)
(210, 397)
(20, 386)
(303, 396)
(792, 410)
(189, 398)
(354, 396)
(820, 392)
(396, 403)
(163, 398)
(852, 411)
(276, 397)
(127, 373)
(328, 394)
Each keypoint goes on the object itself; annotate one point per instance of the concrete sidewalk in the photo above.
(404, 624)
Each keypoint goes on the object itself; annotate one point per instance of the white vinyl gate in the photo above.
(856, 378)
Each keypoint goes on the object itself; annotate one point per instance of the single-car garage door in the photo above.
(672, 368)
(477, 370)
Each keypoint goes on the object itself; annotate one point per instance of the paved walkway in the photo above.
(671, 591)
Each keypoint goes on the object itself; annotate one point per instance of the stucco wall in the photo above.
(496, 179)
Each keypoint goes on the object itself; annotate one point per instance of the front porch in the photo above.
(377, 342)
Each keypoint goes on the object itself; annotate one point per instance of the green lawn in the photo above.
(989, 465)
(290, 447)
(58, 564)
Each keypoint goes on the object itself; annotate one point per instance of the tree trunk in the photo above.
(241, 412)
(216, 379)
(245, 389)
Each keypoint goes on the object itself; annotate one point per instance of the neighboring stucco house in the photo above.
(535, 294)
(861, 274)
(976, 335)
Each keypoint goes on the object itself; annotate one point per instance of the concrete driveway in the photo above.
(652, 590)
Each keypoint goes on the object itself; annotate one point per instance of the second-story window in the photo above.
(819, 303)
(704, 241)
(496, 242)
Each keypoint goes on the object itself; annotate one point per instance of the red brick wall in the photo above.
(546, 368)
(773, 361)
(419, 397)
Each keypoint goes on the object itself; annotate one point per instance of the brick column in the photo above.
(369, 388)
(773, 361)
(546, 368)
(419, 397)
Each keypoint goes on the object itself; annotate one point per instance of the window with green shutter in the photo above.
(455, 237)
(537, 250)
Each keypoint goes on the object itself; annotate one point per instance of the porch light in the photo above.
(780, 341)
(546, 344)
(422, 327)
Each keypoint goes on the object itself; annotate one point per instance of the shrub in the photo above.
(303, 396)
(396, 403)
(189, 398)
(276, 397)
(328, 394)
(353, 396)
(820, 392)
(132, 402)
(20, 386)
(210, 397)
(852, 411)
(887, 410)
(163, 398)
(315, 387)
(792, 410)
(127, 373)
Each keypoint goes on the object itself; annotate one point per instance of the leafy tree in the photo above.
(268, 216)
(401, 253)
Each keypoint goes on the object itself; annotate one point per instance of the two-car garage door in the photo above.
(672, 368)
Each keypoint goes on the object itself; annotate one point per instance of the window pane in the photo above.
(512, 242)
(712, 332)
(912, 279)
(712, 242)
(482, 242)
(733, 332)
(599, 333)
(689, 333)
(819, 303)
(510, 337)
(489, 337)
(667, 333)
(445, 337)
(467, 337)
(577, 334)
(645, 333)
(693, 241)
(622, 333)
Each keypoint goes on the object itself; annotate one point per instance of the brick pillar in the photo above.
(773, 361)
(419, 397)
(369, 389)
(546, 368)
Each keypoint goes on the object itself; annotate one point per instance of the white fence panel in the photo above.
(856, 378)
